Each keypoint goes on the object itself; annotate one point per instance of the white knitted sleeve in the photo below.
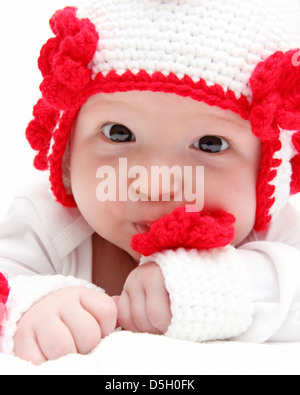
(210, 293)
(25, 291)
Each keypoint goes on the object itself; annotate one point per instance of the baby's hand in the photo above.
(71, 320)
(144, 304)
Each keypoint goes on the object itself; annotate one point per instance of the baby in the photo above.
(170, 85)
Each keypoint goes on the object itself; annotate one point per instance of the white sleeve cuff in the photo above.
(210, 293)
(25, 291)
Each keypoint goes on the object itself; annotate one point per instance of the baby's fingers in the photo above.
(102, 308)
(158, 309)
(57, 341)
(84, 328)
(27, 348)
(124, 313)
(89, 317)
(132, 314)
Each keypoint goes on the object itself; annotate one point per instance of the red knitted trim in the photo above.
(185, 87)
(67, 84)
(275, 85)
(61, 138)
(265, 191)
(214, 95)
(39, 131)
(198, 230)
(295, 184)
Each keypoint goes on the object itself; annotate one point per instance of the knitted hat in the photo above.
(238, 55)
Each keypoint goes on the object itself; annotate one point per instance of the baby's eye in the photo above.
(117, 133)
(211, 144)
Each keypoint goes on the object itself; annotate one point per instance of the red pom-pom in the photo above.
(190, 230)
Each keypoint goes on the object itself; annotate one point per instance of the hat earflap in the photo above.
(275, 120)
(63, 62)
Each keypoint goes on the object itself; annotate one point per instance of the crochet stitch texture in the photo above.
(231, 54)
(183, 229)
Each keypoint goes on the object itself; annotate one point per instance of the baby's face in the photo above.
(156, 129)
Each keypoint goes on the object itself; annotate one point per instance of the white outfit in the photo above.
(249, 293)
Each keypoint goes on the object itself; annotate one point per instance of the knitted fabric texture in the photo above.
(240, 56)
(27, 291)
(206, 280)
(189, 230)
(209, 290)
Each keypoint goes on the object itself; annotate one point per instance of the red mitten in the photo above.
(4, 292)
(190, 230)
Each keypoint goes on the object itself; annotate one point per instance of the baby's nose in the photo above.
(158, 184)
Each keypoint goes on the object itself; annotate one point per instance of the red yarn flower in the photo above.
(64, 63)
(198, 230)
(64, 59)
(275, 84)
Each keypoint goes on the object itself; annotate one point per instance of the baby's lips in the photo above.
(192, 230)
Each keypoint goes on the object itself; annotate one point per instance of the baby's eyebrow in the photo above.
(241, 123)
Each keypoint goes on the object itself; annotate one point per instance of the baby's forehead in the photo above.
(161, 103)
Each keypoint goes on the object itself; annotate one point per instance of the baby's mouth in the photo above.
(182, 229)
(142, 227)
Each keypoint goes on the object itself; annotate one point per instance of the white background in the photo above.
(24, 28)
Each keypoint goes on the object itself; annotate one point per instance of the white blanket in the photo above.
(125, 353)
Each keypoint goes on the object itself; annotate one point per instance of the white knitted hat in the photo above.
(238, 55)
(218, 41)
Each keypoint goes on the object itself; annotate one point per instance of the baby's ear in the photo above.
(190, 230)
